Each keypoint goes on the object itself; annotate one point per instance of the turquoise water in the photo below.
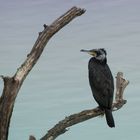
(58, 84)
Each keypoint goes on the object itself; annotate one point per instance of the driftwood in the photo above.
(62, 126)
(13, 84)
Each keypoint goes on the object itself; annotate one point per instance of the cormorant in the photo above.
(101, 82)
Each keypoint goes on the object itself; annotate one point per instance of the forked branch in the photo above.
(12, 84)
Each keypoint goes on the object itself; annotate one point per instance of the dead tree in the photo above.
(13, 84)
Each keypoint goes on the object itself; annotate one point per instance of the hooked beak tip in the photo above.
(83, 50)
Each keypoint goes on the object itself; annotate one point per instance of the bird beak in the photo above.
(91, 52)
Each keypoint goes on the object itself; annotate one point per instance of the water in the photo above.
(58, 84)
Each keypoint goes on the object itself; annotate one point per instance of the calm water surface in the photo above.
(58, 84)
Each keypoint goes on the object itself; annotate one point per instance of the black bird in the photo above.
(101, 82)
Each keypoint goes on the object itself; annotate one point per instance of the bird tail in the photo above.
(109, 118)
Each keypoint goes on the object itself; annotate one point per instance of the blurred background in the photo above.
(58, 84)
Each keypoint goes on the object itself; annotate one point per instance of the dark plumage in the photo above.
(101, 82)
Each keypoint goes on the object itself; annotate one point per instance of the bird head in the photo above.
(99, 54)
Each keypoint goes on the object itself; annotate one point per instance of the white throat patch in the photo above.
(102, 56)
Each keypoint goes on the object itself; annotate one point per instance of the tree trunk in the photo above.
(12, 84)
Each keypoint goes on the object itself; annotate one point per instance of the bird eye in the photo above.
(99, 53)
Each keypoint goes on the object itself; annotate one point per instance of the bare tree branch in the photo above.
(42, 40)
(62, 126)
(12, 84)
(32, 138)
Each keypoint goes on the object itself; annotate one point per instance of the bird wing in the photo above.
(101, 82)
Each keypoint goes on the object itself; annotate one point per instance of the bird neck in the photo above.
(103, 61)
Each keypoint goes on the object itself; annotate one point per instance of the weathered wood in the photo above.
(62, 126)
(32, 138)
(12, 84)
(11, 87)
